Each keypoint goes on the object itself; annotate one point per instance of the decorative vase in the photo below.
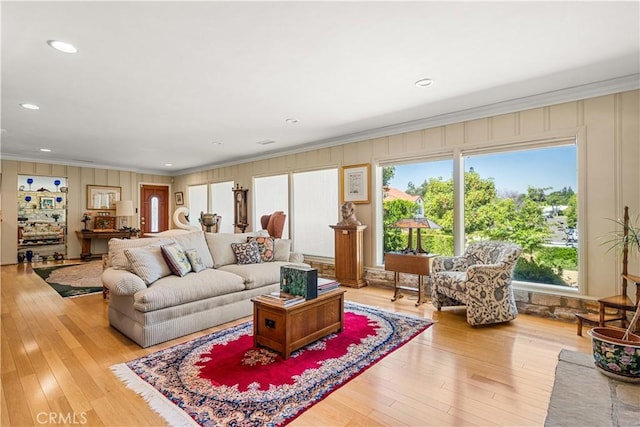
(614, 355)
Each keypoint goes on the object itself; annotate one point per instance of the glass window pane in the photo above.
(528, 197)
(315, 207)
(154, 214)
(415, 190)
(222, 204)
(197, 203)
(271, 193)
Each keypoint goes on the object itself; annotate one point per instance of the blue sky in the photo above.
(513, 171)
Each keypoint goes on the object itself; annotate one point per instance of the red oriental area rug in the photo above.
(221, 379)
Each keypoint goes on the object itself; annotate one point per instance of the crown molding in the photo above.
(575, 93)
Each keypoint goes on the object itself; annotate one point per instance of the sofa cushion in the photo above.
(176, 259)
(281, 250)
(119, 260)
(258, 275)
(195, 240)
(171, 291)
(194, 259)
(265, 247)
(247, 253)
(147, 263)
(220, 245)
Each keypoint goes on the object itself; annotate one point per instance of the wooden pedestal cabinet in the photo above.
(349, 242)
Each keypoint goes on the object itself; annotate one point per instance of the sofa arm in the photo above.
(122, 282)
(296, 257)
(449, 263)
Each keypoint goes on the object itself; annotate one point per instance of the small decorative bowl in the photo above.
(614, 356)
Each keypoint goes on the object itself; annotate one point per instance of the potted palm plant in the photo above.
(616, 351)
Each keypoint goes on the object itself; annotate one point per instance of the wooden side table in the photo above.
(286, 329)
(419, 264)
(85, 238)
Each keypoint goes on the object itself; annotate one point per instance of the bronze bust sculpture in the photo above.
(348, 214)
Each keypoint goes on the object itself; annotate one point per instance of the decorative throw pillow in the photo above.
(117, 257)
(220, 245)
(194, 259)
(195, 240)
(246, 253)
(147, 263)
(265, 247)
(176, 259)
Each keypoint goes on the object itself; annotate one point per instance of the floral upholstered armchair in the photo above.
(480, 279)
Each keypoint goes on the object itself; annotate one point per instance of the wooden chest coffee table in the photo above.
(286, 329)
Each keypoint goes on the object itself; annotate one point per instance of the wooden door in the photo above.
(154, 208)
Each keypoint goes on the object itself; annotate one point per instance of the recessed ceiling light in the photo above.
(424, 82)
(29, 106)
(62, 46)
(291, 120)
(266, 142)
(216, 142)
(168, 164)
(46, 150)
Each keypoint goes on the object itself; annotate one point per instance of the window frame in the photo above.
(457, 154)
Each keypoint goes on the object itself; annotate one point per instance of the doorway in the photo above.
(154, 208)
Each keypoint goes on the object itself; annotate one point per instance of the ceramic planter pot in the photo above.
(614, 356)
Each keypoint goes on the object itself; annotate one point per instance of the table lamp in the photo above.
(124, 209)
(418, 223)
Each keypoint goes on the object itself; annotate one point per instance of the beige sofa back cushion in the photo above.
(282, 250)
(220, 245)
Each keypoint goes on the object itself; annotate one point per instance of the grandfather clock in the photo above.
(349, 242)
(240, 208)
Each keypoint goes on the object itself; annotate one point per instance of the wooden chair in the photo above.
(621, 303)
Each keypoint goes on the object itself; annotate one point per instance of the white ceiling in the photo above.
(157, 82)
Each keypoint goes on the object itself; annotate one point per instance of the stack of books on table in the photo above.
(283, 298)
(326, 285)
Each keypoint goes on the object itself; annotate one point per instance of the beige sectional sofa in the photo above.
(150, 303)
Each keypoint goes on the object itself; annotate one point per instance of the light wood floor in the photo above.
(56, 355)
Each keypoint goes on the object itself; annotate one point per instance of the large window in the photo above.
(197, 203)
(527, 196)
(315, 207)
(419, 189)
(222, 204)
(220, 198)
(270, 194)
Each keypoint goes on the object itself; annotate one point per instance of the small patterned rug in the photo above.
(221, 379)
(73, 280)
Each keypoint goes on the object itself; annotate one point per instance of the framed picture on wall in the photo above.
(354, 183)
(102, 196)
(179, 198)
(47, 203)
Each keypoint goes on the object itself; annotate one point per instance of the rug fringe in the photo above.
(413, 316)
(156, 400)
